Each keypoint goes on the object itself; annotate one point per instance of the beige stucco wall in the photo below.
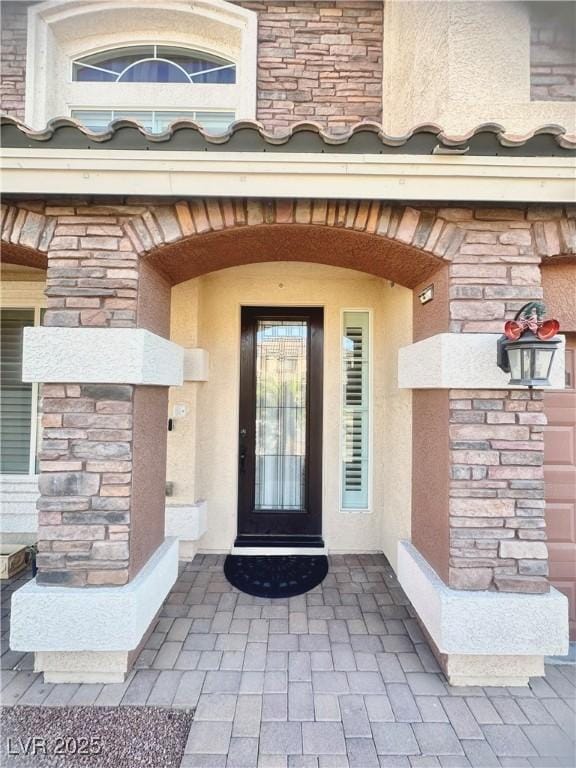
(202, 450)
(461, 64)
(395, 520)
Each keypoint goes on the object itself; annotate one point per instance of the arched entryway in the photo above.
(111, 279)
(370, 315)
(120, 270)
(349, 260)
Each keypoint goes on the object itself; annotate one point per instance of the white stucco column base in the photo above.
(82, 666)
(91, 634)
(188, 523)
(492, 670)
(482, 637)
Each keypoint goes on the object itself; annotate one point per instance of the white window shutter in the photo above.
(355, 410)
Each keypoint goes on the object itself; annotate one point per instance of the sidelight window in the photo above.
(355, 415)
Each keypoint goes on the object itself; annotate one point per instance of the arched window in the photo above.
(153, 64)
(146, 61)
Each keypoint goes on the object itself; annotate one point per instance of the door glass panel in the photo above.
(281, 369)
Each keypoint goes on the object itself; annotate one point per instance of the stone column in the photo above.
(106, 364)
(478, 496)
(497, 527)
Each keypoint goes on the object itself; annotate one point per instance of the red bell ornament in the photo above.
(527, 348)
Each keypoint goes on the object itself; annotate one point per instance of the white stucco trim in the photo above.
(62, 30)
(461, 361)
(101, 355)
(483, 623)
(93, 619)
(196, 364)
(187, 522)
(290, 174)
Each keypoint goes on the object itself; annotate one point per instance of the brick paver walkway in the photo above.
(341, 676)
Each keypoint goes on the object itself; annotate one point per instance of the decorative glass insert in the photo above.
(153, 64)
(15, 395)
(154, 121)
(355, 410)
(281, 402)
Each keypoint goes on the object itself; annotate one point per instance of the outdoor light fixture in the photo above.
(526, 349)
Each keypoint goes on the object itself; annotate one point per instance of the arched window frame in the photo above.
(78, 62)
(61, 31)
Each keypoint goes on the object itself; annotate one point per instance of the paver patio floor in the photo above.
(341, 676)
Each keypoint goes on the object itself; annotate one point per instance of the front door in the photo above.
(280, 430)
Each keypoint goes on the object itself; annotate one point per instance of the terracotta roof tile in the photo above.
(489, 139)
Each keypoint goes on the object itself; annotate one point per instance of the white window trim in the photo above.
(370, 508)
(34, 427)
(50, 91)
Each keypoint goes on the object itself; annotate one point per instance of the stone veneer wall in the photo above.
(87, 447)
(497, 525)
(496, 491)
(85, 484)
(319, 60)
(13, 34)
(552, 51)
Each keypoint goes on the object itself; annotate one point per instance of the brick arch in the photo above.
(554, 234)
(25, 236)
(194, 237)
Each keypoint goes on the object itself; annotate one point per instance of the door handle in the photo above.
(242, 458)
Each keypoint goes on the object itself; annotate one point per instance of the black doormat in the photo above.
(275, 575)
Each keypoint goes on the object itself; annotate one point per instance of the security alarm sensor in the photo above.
(426, 295)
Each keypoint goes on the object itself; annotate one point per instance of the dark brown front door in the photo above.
(280, 430)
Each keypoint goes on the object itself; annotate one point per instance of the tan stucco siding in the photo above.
(462, 64)
(202, 450)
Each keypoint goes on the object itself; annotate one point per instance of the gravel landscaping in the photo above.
(93, 737)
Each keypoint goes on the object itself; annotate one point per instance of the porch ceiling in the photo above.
(360, 251)
(22, 256)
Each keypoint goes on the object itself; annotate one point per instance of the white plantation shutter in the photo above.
(15, 396)
(355, 410)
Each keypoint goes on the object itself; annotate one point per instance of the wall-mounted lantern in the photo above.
(526, 350)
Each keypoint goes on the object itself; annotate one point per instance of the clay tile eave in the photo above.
(248, 135)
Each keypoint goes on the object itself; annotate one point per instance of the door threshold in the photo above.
(293, 541)
(260, 551)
